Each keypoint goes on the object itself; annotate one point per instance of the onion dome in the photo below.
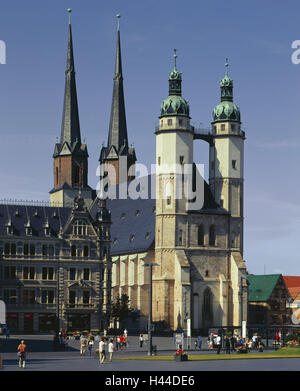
(174, 104)
(226, 110)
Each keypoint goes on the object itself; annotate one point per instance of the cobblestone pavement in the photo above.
(42, 358)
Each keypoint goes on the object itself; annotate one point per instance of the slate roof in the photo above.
(38, 216)
(261, 286)
(293, 285)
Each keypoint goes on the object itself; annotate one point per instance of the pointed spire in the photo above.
(117, 126)
(70, 129)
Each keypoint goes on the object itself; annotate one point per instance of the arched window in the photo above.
(212, 236)
(200, 235)
(56, 175)
(6, 249)
(207, 309)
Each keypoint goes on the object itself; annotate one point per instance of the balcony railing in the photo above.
(80, 305)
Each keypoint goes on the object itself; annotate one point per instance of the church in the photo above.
(97, 248)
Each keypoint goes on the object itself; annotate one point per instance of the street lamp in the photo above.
(57, 307)
(150, 307)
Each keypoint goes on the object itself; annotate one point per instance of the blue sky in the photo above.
(256, 36)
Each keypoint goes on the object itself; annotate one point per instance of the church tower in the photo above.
(70, 154)
(226, 169)
(174, 149)
(117, 154)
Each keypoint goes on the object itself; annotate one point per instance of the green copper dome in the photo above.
(226, 110)
(174, 104)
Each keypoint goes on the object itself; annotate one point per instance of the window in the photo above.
(28, 231)
(86, 297)
(77, 175)
(180, 121)
(56, 172)
(200, 235)
(10, 272)
(168, 200)
(47, 273)
(79, 228)
(181, 159)
(32, 249)
(13, 249)
(10, 296)
(6, 249)
(159, 160)
(47, 231)
(169, 122)
(26, 249)
(86, 251)
(48, 297)
(45, 249)
(232, 127)
(234, 164)
(180, 238)
(86, 274)
(28, 296)
(212, 236)
(28, 273)
(51, 251)
(72, 274)
(72, 298)
(206, 273)
(223, 127)
(73, 251)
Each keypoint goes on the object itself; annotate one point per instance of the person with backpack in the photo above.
(22, 351)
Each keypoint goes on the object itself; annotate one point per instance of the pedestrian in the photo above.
(125, 333)
(254, 341)
(118, 342)
(121, 342)
(83, 343)
(233, 343)
(141, 340)
(219, 343)
(102, 355)
(22, 351)
(196, 344)
(7, 333)
(110, 349)
(199, 342)
(227, 344)
(90, 345)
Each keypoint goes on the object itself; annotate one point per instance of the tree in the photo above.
(120, 308)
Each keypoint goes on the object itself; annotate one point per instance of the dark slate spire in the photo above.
(70, 128)
(117, 136)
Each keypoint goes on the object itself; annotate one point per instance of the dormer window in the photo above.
(79, 228)
(28, 231)
(9, 230)
(169, 122)
(234, 164)
(47, 231)
(131, 238)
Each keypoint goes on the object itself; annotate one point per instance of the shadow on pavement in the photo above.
(33, 345)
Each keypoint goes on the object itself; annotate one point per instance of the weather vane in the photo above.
(69, 10)
(226, 65)
(118, 16)
(175, 57)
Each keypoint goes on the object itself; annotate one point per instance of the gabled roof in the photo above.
(293, 285)
(262, 286)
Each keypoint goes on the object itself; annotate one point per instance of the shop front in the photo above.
(47, 322)
(79, 322)
(12, 321)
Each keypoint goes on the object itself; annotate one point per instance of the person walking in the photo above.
(219, 343)
(227, 344)
(102, 355)
(110, 349)
(22, 351)
(199, 342)
(83, 343)
(141, 340)
(90, 345)
(233, 343)
(7, 333)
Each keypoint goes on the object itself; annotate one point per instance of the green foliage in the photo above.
(292, 337)
(120, 308)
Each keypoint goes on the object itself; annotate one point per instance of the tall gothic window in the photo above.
(212, 236)
(200, 235)
(77, 175)
(207, 309)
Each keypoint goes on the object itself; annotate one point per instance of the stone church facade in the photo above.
(99, 247)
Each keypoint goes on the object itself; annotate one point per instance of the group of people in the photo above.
(234, 342)
(60, 340)
(5, 331)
